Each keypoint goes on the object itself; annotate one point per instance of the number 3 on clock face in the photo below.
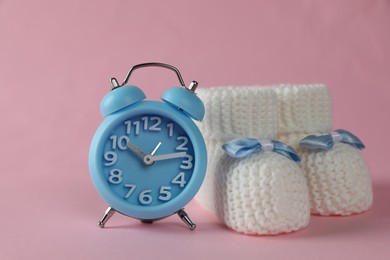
(147, 160)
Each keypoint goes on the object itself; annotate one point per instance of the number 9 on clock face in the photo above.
(147, 160)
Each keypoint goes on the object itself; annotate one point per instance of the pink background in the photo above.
(56, 58)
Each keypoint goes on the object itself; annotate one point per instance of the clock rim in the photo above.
(192, 187)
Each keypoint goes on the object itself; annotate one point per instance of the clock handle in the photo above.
(191, 87)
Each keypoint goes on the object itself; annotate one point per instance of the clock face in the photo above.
(147, 160)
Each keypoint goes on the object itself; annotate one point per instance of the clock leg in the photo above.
(147, 221)
(107, 215)
(183, 215)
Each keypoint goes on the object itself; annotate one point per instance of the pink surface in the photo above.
(55, 62)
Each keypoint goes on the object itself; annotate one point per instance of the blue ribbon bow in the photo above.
(326, 141)
(243, 147)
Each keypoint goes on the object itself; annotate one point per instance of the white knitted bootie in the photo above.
(264, 193)
(338, 179)
(337, 174)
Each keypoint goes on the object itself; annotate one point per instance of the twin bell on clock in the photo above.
(148, 158)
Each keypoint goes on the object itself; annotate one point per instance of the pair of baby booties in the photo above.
(266, 193)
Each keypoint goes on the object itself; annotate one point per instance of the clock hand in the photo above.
(155, 149)
(165, 156)
(136, 150)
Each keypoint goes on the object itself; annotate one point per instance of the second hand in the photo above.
(155, 149)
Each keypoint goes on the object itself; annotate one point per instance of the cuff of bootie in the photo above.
(239, 111)
(304, 108)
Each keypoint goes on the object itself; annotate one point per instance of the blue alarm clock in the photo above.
(148, 159)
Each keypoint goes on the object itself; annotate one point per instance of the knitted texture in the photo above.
(264, 193)
(239, 112)
(339, 180)
(304, 108)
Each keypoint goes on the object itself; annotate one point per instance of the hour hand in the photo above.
(136, 150)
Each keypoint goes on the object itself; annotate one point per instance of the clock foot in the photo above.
(107, 215)
(183, 215)
(147, 221)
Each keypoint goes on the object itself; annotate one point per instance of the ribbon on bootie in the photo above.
(326, 141)
(243, 147)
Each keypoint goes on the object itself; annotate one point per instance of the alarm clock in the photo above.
(148, 159)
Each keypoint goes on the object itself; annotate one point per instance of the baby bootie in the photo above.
(263, 193)
(338, 179)
(337, 174)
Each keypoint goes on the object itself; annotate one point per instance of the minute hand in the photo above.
(168, 156)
